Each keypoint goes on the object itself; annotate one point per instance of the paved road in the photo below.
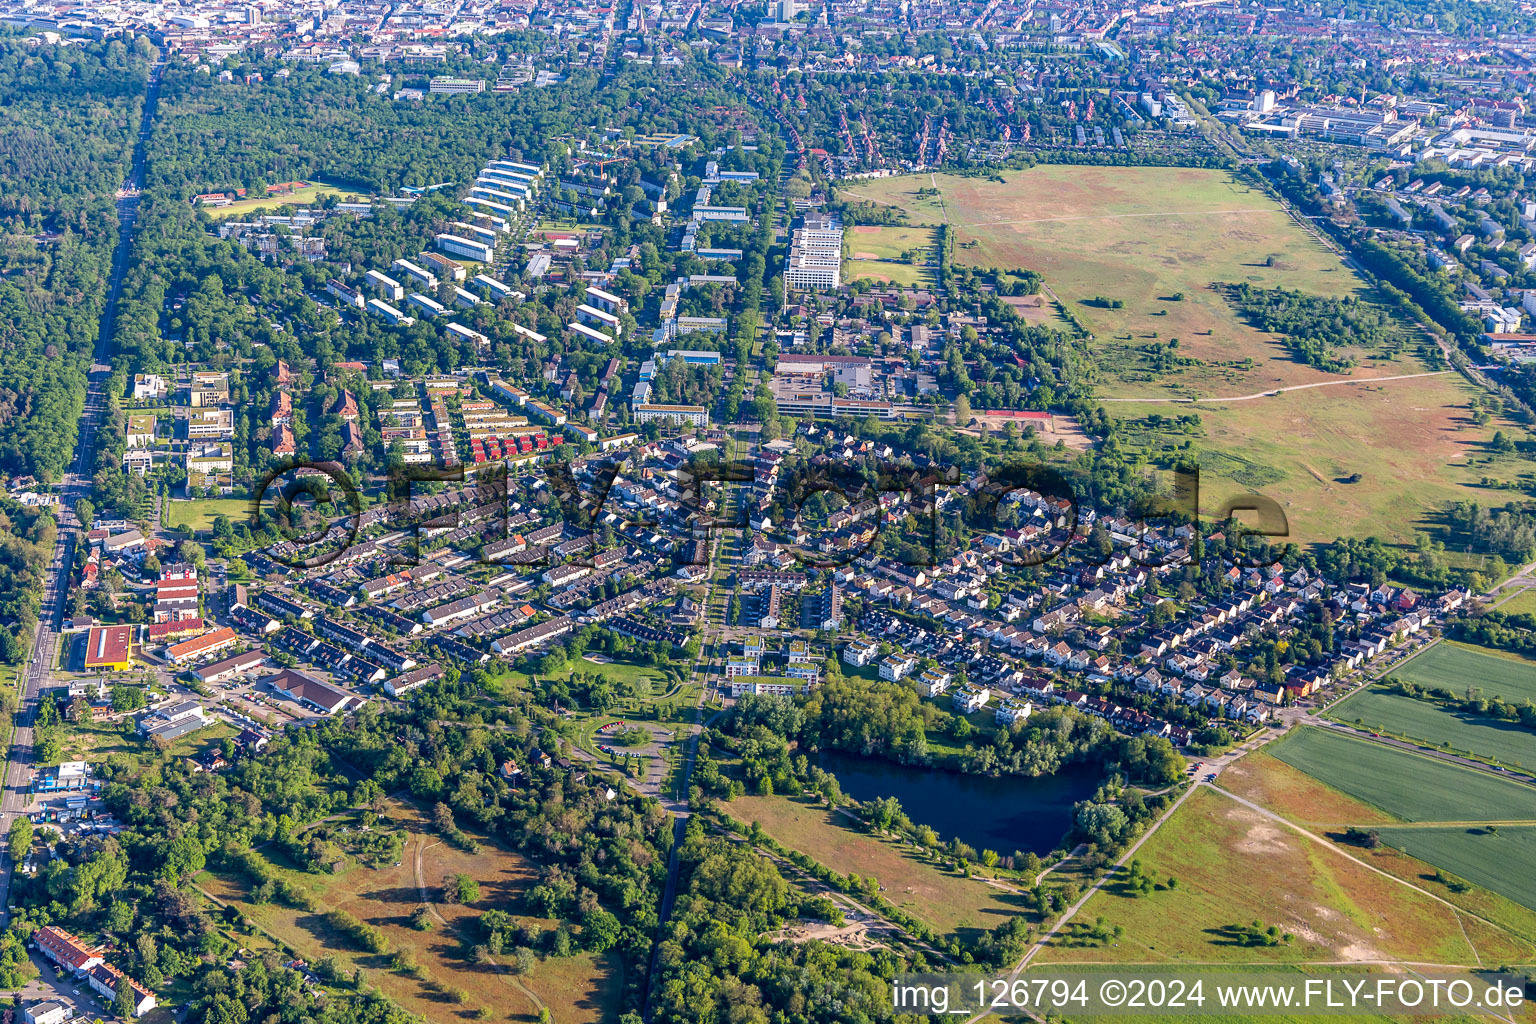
(75, 485)
(1421, 750)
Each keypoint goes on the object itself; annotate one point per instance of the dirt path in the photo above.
(1113, 216)
(1266, 812)
(1071, 911)
(502, 973)
(1273, 392)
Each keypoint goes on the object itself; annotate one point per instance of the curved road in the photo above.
(75, 485)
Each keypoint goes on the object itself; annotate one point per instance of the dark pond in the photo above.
(1002, 814)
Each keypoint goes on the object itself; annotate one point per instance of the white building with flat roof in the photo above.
(815, 258)
(380, 308)
(606, 301)
(601, 318)
(693, 415)
(415, 273)
(385, 286)
(469, 248)
(428, 305)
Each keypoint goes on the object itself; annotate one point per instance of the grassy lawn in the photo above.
(1457, 667)
(1523, 603)
(946, 900)
(1234, 865)
(656, 692)
(1381, 711)
(582, 989)
(904, 275)
(1413, 787)
(299, 197)
(1500, 862)
(876, 242)
(197, 514)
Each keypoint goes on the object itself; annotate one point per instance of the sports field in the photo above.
(1234, 865)
(1456, 667)
(1410, 786)
(1501, 860)
(1350, 459)
(1382, 711)
(310, 193)
(880, 254)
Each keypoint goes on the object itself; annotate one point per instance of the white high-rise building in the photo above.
(815, 253)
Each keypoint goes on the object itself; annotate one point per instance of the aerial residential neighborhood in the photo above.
(788, 512)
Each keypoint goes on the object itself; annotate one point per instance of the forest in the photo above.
(27, 538)
(712, 967)
(67, 129)
(1315, 328)
(600, 860)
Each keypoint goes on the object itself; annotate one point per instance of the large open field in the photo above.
(1382, 711)
(1234, 865)
(1297, 796)
(1456, 667)
(1140, 236)
(944, 899)
(576, 989)
(1324, 811)
(1500, 860)
(1410, 786)
(1154, 240)
(1347, 460)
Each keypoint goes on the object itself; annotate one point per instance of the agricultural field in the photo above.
(1355, 458)
(1234, 865)
(944, 899)
(1324, 811)
(313, 192)
(880, 254)
(1266, 780)
(1411, 786)
(1498, 859)
(1458, 666)
(582, 989)
(1381, 711)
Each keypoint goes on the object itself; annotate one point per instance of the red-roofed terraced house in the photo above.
(66, 950)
